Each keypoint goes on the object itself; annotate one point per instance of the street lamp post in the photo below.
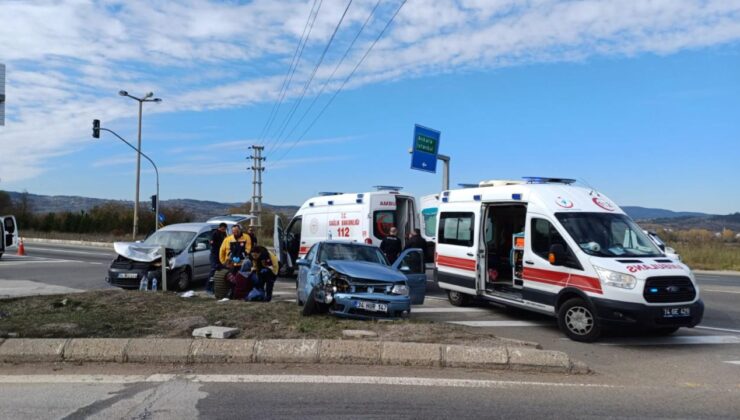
(96, 134)
(147, 98)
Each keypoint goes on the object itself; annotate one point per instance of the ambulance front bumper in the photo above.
(617, 313)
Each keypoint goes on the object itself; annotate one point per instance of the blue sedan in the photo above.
(355, 280)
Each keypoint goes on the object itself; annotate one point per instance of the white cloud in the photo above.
(67, 58)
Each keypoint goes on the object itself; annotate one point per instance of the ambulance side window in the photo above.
(544, 235)
(456, 228)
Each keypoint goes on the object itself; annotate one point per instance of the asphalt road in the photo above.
(326, 391)
(708, 354)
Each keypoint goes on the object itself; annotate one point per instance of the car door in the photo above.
(304, 286)
(202, 255)
(411, 264)
(278, 238)
(10, 232)
(2, 233)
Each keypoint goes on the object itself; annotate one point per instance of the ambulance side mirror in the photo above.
(557, 254)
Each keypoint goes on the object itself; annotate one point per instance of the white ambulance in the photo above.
(359, 217)
(8, 233)
(552, 247)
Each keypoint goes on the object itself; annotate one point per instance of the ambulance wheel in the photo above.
(578, 321)
(221, 286)
(458, 299)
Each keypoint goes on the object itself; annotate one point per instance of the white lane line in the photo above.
(450, 309)
(496, 323)
(717, 329)
(676, 340)
(719, 291)
(733, 362)
(64, 251)
(47, 261)
(291, 379)
(436, 298)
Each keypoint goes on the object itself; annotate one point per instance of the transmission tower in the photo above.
(257, 169)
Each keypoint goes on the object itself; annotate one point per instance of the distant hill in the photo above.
(644, 213)
(201, 210)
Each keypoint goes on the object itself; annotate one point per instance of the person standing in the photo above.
(216, 240)
(416, 241)
(391, 245)
(252, 235)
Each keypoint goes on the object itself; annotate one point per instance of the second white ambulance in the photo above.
(552, 247)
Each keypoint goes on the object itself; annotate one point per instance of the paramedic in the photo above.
(235, 248)
(391, 246)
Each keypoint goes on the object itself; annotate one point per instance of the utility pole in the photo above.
(257, 169)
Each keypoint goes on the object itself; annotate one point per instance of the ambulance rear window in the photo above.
(383, 221)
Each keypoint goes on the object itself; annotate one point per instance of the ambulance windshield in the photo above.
(608, 235)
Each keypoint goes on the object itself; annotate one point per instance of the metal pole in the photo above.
(138, 174)
(445, 171)
(163, 250)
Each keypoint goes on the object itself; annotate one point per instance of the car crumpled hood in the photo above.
(366, 270)
(137, 251)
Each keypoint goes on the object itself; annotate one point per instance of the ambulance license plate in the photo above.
(676, 312)
(371, 306)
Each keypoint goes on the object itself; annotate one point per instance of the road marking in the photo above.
(733, 362)
(719, 291)
(47, 261)
(290, 379)
(64, 251)
(444, 310)
(436, 298)
(496, 323)
(675, 340)
(718, 329)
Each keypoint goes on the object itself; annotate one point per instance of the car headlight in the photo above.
(325, 275)
(400, 289)
(616, 279)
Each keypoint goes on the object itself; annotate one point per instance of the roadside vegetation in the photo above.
(702, 249)
(129, 314)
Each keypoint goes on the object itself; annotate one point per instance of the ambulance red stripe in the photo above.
(459, 263)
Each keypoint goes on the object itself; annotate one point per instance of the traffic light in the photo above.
(96, 129)
(154, 202)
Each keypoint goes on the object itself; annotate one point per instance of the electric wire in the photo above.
(380, 35)
(310, 79)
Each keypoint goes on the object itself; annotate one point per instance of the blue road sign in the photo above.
(425, 149)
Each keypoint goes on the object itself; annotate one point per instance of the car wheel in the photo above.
(665, 330)
(1, 254)
(458, 299)
(182, 280)
(578, 321)
(221, 286)
(311, 307)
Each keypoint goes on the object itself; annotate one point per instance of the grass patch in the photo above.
(709, 255)
(129, 314)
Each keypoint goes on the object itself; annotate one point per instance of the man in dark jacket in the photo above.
(391, 246)
(416, 241)
(216, 240)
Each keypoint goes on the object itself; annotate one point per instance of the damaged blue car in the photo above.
(355, 280)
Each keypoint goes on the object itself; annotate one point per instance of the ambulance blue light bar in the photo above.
(516, 196)
(476, 197)
(387, 188)
(326, 193)
(547, 180)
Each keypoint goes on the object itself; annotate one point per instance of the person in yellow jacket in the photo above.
(235, 248)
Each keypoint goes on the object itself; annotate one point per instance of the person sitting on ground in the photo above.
(264, 268)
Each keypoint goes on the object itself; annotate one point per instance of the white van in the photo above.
(548, 246)
(9, 230)
(357, 217)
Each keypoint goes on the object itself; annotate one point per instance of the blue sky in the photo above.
(639, 99)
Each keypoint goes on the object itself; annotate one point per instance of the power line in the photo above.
(310, 79)
(380, 35)
(339, 64)
(312, 15)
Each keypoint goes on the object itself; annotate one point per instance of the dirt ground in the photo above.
(128, 314)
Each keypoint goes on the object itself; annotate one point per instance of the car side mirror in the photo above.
(557, 254)
(302, 262)
(200, 246)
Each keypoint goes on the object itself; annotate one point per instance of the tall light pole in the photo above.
(147, 98)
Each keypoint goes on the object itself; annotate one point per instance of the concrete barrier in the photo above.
(96, 350)
(159, 350)
(30, 350)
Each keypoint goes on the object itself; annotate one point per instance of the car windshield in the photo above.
(608, 235)
(170, 239)
(351, 252)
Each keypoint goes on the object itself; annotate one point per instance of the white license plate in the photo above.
(128, 275)
(371, 306)
(676, 312)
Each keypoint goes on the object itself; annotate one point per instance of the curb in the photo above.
(69, 242)
(356, 352)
